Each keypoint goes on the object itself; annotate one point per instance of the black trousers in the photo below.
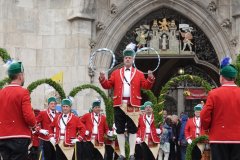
(122, 120)
(91, 153)
(48, 151)
(109, 151)
(196, 153)
(222, 151)
(14, 148)
(142, 152)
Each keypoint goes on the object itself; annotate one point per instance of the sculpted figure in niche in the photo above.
(187, 41)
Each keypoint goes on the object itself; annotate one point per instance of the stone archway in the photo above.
(113, 33)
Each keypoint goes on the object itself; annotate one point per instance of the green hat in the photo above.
(198, 107)
(66, 102)
(142, 107)
(96, 103)
(148, 103)
(52, 99)
(128, 52)
(15, 68)
(229, 71)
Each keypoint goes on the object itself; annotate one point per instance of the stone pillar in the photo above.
(236, 16)
(180, 100)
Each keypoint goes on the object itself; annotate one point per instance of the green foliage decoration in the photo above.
(50, 82)
(4, 82)
(4, 55)
(201, 139)
(174, 82)
(107, 101)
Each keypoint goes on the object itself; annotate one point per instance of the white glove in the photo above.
(158, 131)
(189, 141)
(110, 133)
(73, 141)
(53, 141)
(87, 132)
(138, 140)
(43, 131)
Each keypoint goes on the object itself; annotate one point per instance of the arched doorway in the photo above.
(201, 60)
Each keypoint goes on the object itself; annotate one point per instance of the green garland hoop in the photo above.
(4, 55)
(193, 144)
(173, 82)
(50, 82)
(237, 65)
(107, 101)
(4, 81)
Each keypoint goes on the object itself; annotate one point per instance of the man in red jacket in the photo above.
(127, 83)
(69, 131)
(147, 134)
(194, 129)
(220, 116)
(44, 119)
(96, 127)
(16, 116)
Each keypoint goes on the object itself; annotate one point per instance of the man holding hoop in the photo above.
(127, 83)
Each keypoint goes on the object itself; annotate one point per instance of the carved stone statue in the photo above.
(212, 7)
(187, 40)
(164, 42)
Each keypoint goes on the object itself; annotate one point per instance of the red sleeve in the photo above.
(39, 118)
(187, 129)
(27, 110)
(83, 119)
(105, 125)
(146, 83)
(108, 84)
(206, 113)
(139, 127)
(81, 129)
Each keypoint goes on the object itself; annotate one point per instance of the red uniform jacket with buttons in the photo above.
(88, 120)
(16, 114)
(44, 119)
(190, 129)
(221, 113)
(74, 129)
(137, 82)
(142, 128)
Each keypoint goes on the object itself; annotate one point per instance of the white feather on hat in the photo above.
(131, 46)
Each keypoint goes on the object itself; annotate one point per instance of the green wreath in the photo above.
(193, 144)
(4, 81)
(4, 55)
(237, 65)
(52, 83)
(107, 101)
(174, 82)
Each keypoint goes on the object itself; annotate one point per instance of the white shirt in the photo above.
(197, 119)
(95, 124)
(62, 125)
(148, 119)
(126, 87)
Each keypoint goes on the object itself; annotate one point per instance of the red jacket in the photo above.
(142, 128)
(88, 120)
(137, 82)
(16, 114)
(44, 119)
(74, 129)
(221, 114)
(190, 129)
